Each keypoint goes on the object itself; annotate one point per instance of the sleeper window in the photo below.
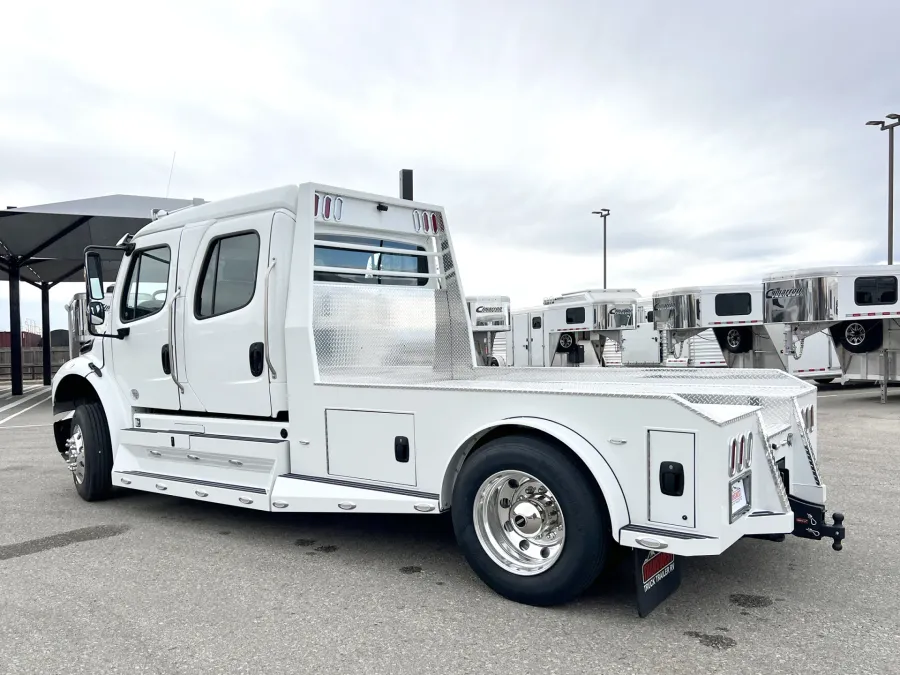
(228, 280)
(875, 290)
(147, 283)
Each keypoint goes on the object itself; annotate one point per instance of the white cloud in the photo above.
(727, 141)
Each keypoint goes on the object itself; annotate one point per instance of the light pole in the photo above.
(603, 213)
(889, 127)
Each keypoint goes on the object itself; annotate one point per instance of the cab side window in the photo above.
(147, 283)
(228, 277)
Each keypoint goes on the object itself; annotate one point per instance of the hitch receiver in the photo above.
(810, 522)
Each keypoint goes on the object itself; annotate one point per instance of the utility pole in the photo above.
(603, 213)
(889, 127)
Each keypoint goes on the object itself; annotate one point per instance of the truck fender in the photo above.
(591, 456)
(76, 378)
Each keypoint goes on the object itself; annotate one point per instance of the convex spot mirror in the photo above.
(96, 312)
(94, 276)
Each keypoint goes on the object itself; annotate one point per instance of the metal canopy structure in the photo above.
(44, 246)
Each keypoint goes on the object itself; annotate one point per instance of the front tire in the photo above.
(531, 525)
(89, 439)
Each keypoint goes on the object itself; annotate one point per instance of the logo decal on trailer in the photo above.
(656, 567)
(784, 293)
(481, 309)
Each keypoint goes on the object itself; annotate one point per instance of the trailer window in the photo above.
(875, 290)
(536, 323)
(228, 275)
(386, 262)
(733, 304)
(147, 283)
(575, 315)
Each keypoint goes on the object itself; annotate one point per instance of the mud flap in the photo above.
(656, 576)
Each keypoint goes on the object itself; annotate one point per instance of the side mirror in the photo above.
(93, 266)
(96, 313)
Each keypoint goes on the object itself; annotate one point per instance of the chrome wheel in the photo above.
(75, 454)
(855, 334)
(519, 522)
(733, 338)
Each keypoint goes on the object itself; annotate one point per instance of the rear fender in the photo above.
(587, 453)
(76, 379)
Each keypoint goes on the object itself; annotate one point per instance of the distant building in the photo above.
(29, 340)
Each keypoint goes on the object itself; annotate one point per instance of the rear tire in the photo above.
(584, 537)
(93, 474)
(824, 380)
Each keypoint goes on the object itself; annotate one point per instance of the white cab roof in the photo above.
(284, 197)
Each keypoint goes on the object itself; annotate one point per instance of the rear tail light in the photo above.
(733, 450)
(431, 223)
(741, 456)
(809, 417)
(749, 456)
(328, 207)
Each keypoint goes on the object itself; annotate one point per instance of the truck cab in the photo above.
(309, 349)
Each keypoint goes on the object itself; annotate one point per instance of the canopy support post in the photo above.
(45, 330)
(15, 329)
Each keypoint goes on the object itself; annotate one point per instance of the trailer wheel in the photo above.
(566, 341)
(493, 362)
(824, 380)
(735, 339)
(858, 337)
(90, 448)
(529, 522)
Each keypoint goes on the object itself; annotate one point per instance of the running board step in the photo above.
(297, 493)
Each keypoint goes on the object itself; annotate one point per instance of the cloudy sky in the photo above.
(727, 139)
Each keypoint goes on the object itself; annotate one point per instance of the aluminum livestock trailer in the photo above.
(734, 314)
(857, 305)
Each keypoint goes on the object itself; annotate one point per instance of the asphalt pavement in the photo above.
(145, 583)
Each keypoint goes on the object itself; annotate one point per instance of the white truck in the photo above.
(573, 329)
(856, 305)
(489, 316)
(734, 316)
(308, 349)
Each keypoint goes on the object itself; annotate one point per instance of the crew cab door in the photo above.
(142, 360)
(222, 317)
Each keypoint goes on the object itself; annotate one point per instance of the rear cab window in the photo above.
(326, 256)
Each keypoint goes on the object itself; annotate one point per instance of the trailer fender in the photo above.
(76, 379)
(587, 453)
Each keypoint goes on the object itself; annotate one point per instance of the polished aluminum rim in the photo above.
(519, 522)
(75, 445)
(733, 338)
(855, 334)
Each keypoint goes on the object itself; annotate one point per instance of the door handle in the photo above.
(257, 360)
(166, 361)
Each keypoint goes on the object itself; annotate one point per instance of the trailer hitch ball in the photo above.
(838, 524)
